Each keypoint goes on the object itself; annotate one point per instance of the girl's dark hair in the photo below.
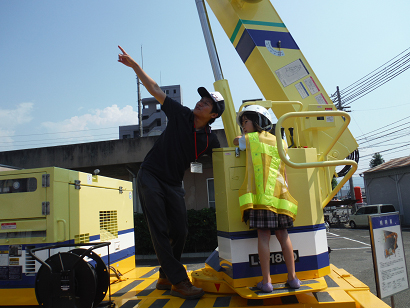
(254, 118)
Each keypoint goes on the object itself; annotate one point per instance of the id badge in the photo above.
(196, 167)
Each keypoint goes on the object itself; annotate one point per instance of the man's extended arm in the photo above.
(150, 84)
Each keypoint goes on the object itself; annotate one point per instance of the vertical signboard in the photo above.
(388, 254)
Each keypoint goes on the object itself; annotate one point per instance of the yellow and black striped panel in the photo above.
(313, 299)
(138, 290)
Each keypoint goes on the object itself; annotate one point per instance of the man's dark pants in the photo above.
(164, 209)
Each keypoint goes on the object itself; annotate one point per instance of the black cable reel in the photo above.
(352, 156)
(67, 280)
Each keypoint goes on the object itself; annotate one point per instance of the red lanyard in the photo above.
(196, 148)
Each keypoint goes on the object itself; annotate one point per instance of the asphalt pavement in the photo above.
(351, 251)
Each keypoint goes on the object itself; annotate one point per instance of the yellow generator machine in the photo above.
(76, 225)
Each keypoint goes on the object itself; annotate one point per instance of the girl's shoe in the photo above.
(294, 284)
(267, 287)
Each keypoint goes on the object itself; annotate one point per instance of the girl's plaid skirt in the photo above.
(265, 219)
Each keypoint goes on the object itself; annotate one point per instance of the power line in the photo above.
(356, 84)
(383, 136)
(378, 76)
(384, 131)
(356, 110)
(373, 80)
(387, 150)
(384, 126)
(367, 92)
(350, 86)
(380, 145)
(404, 134)
(399, 131)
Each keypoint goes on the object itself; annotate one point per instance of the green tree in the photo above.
(334, 183)
(377, 159)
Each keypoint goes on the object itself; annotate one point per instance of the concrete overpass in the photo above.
(119, 159)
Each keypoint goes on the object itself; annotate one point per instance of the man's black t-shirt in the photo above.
(174, 150)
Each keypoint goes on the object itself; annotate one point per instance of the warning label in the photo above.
(311, 85)
(9, 225)
(321, 99)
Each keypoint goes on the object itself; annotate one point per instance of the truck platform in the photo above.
(137, 289)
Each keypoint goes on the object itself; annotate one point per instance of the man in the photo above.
(186, 138)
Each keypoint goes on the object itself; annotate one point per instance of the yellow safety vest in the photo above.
(264, 187)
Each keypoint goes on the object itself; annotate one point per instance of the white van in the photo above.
(361, 216)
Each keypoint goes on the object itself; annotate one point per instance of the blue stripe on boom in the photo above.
(252, 38)
(245, 46)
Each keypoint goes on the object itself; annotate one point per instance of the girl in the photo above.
(264, 198)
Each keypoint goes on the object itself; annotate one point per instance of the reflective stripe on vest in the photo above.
(265, 196)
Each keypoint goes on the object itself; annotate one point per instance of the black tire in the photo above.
(352, 224)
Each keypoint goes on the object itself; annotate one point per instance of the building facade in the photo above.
(154, 120)
(389, 183)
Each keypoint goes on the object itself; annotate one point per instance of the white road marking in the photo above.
(350, 239)
(333, 249)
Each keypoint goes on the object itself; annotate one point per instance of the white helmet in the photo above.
(265, 120)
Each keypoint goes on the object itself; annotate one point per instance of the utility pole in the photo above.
(339, 104)
(139, 101)
(339, 107)
(139, 108)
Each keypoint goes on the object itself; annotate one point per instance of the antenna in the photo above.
(142, 59)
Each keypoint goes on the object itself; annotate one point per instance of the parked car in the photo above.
(361, 216)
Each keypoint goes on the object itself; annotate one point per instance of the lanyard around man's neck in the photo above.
(196, 147)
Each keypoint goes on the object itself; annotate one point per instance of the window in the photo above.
(370, 210)
(158, 122)
(166, 91)
(126, 136)
(387, 208)
(211, 192)
(18, 185)
(158, 107)
(360, 211)
(146, 106)
(175, 91)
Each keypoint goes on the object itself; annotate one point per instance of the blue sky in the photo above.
(60, 82)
